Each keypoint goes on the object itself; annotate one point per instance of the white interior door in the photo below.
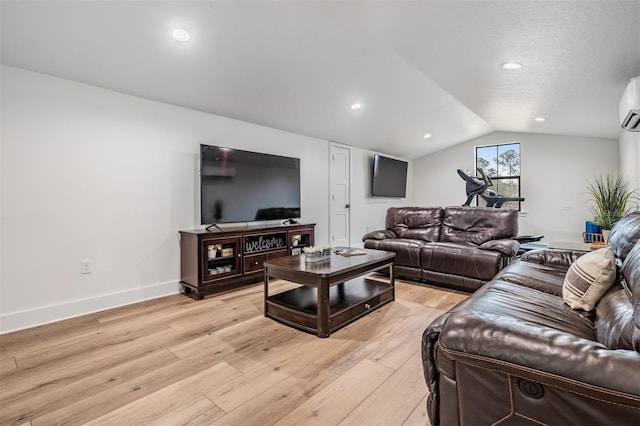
(339, 195)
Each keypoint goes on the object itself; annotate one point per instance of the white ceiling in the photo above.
(416, 67)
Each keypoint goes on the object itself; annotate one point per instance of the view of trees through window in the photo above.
(502, 164)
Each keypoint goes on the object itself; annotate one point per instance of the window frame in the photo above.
(496, 179)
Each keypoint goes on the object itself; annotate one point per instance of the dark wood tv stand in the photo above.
(237, 254)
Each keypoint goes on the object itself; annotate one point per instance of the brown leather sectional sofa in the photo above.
(463, 247)
(515, 354)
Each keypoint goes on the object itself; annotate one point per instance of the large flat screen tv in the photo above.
(244, 186)
(389, 177)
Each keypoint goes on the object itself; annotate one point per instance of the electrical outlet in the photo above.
(86, 266)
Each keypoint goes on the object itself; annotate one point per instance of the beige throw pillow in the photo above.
(588, 279)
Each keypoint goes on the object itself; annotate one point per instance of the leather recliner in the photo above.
(463, 247)
(514, 353)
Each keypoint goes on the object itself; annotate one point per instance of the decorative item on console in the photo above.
(212, 250)
(317, 254)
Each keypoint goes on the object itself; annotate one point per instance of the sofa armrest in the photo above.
(552, 257)
(543, 354)
(429, 364)
(429, 339)
(379, 235)
(506, 246)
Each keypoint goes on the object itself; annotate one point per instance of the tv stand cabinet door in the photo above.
(221, 258)
(300, 238)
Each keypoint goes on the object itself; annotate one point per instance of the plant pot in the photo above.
(605, 235)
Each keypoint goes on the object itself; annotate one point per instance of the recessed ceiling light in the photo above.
(511, 66)
(427, 135)
(356, 106)
(540, 119)
(181, 35)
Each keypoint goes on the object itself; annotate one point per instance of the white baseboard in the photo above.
(47, 314)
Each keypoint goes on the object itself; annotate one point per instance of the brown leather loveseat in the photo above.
(457, 246)
(515, 353)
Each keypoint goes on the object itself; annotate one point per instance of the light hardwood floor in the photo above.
(177, 361)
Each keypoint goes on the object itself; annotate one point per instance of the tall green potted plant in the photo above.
(614, 198)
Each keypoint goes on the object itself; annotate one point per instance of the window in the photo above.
(501, 163)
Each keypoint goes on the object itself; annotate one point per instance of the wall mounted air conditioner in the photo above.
(630, 106)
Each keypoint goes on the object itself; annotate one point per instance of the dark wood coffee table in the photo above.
(331, 294)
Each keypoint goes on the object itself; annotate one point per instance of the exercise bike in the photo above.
(475, 186)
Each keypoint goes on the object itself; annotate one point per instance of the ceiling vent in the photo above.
(630, 106)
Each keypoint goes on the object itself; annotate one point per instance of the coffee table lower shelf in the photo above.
(347, 302)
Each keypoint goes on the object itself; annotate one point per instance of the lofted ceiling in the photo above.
(416, 67)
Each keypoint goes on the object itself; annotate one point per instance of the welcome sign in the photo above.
(263, 243)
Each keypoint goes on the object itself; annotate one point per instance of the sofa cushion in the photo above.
(506, 246)
(543, 277)
(461, 259)
(509, 307)
(552, 257)
(589, 278)
(407, 251)
(379, 235)
(614, 320)
(517, 326)
(478, 224)
(418, 223)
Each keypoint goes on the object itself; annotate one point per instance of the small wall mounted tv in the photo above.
(245, 186)
(389, 177)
